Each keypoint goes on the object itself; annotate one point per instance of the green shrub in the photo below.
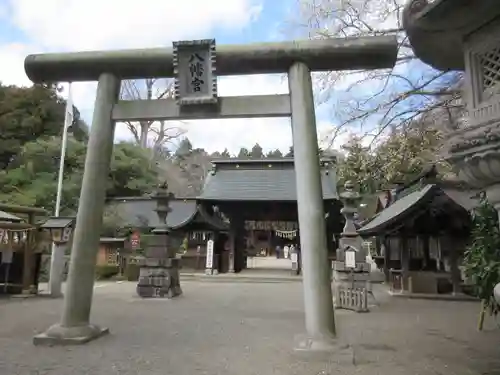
(482, 257)
(106, 272)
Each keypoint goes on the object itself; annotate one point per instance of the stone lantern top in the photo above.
(350, 198)
(162, 197)
(438, 29)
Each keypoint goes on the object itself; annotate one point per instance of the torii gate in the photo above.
(297, 58)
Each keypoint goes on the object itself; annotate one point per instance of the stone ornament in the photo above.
(480, 169)
(159, 267)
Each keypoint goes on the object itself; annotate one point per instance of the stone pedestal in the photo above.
(355, 280)
(360, 277)
(159, 270)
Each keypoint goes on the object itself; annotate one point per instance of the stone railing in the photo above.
(351, 299)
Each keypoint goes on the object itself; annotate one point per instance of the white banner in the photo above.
(210, 254)
(350, 259)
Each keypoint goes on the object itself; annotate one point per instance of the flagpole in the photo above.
(64, 145)
(57, 256)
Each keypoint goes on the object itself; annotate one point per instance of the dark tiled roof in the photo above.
(259, 180)
(58, 222)
(140, 212)
(407, 204)
(5, 216)
(392, 213)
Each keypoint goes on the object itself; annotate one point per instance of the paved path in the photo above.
(247, 329)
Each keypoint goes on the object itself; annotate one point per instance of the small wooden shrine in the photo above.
(423, 232)
(20, 248)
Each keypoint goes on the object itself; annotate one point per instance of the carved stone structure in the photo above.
(355, 281)
(465, 35)
(351, 299)
(159, 268)
(297, 58)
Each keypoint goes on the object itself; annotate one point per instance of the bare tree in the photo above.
(373, 101)
(155, 135)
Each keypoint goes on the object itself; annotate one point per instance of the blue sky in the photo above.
(32, 26)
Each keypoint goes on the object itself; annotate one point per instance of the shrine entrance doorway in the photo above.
(259, 197)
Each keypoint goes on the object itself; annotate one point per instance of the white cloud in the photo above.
(70, 25)
(98, 24)
(12, 61)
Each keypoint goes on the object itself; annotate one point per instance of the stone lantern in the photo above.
(159, 269)
(162, 197)
(61, 230)
(350, 240)
(465, 36)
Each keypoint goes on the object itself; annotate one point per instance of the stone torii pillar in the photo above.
(297, 58)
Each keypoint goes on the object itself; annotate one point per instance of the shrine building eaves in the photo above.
(265, 162)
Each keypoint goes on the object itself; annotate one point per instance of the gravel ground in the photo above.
(246, 329)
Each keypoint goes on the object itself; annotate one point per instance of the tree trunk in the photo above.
(143, 138)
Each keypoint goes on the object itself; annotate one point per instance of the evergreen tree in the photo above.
(482, 257)
(256, 152)
(274, 154)
(244, 153)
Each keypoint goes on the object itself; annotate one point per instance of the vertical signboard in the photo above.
(194, 72)
(210, 255)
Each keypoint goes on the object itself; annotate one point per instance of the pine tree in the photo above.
(482, 257)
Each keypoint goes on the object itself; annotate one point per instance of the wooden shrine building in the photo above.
(191, 225)
(21, 244)
(424, 229)
(247, 206)
(259, 199)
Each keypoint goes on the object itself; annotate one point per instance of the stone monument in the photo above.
(159, 267)
(195, 65)
(465, 35)
(351, 277)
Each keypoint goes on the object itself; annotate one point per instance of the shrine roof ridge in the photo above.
(145, 198)
(283, 160)
(353, 53)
